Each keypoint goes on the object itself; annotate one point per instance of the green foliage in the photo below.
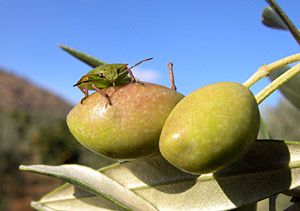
(27, 137)
(55, 144)
(283, 120)
(13, 129)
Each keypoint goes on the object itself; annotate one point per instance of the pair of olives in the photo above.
(200, 133)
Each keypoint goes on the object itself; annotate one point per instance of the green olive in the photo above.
(129, 128)
(210, 128)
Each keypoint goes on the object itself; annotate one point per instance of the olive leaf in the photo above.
(89, 60)
(291, 89)
(268, 168)
(69, 197)
(272, 20)
(274, 17)
(95, 183)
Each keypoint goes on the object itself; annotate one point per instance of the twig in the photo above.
(171, 74)
(292, 28)
(265, 70)
(265, 92)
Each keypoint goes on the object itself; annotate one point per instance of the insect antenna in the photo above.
(129, 69)
(140, 62)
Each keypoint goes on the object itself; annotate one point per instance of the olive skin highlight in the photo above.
(210, 128)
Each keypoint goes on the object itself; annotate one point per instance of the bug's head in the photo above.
(82, 80)
(113, 71)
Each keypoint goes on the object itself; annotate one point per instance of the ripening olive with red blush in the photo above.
(129, 128)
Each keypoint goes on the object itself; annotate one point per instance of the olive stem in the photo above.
(292, 28)
(265, 70)
(171, 74)
(265, 92)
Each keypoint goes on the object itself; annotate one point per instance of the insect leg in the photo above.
(85, 91)
(102, 93)
(133, 79)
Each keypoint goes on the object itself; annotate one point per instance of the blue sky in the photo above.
(207, 41)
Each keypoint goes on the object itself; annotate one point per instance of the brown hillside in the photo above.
(25, 111)
(17, 93)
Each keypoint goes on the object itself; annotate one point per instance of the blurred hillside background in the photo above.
(33, 130)
(206, 41)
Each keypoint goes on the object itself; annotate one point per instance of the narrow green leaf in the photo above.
(69, 197)
(270, 167)
(94, 182)
(291, 89)
(272, 20)
(287, 22)
(89, 60)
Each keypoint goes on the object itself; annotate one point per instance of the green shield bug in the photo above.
(105, 76)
